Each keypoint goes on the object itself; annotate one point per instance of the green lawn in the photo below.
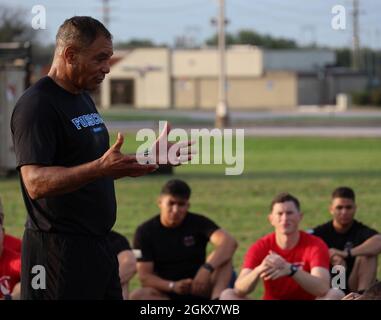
(309, 168)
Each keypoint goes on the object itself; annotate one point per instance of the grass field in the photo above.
(309, 168)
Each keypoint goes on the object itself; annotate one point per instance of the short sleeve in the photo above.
(366, 233)
(142, 243)
(207, 226)
(255, 255)
(34, 130)
(319, 255)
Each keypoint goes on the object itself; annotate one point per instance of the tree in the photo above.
(14, 26)
(251, 37)
(343, 57)
(135, 43)
(229, 40)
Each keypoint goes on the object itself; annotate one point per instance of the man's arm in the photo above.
(127, 269)
(224, 248)
(149, 279)
(43, 181)
(370, 247)
(248, 280)
(315, 283)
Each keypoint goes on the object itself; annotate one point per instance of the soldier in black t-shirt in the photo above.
(126, 258)
(67, 171)
(173, 262)
(352, 244)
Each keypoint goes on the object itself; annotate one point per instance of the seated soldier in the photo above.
(10, 263)
(292, 264)
(126, 259)
(351, 244)
(173, 263)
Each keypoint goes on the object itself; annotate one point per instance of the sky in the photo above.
(161, 21)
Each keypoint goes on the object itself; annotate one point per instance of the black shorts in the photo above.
(76, 267)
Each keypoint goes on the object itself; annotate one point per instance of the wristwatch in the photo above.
(293, 269)
(208, 267)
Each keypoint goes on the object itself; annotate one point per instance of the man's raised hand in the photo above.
(115, 164)
(166, 152)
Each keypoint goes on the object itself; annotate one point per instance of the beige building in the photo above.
(257, 78)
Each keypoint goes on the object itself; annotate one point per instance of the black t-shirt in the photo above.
(118, 242)
(356, 235)
(177, 253)
(53, 127)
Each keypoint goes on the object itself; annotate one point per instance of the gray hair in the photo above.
(80, 31)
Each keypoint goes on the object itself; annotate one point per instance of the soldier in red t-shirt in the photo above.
(292, 264)
(10, 263)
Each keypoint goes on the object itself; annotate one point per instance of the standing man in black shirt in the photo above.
(173, 262)
(351, 244)
(67, 172)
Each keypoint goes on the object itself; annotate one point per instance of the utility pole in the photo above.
(222, 116)
(106, 13)
(355, 36)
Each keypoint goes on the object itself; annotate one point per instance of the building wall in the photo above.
(184, 93)
(347, 84)
(240, 61)
(312, 91)
(150, 69)
(297, 60)
(308, 90)
(256, 79)
(275, 90)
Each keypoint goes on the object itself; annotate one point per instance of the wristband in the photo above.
(208, 267)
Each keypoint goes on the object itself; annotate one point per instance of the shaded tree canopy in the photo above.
(14, 25)
(251, 37)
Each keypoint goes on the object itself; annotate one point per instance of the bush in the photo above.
(360, 98)
(367, 98)
(375, 97)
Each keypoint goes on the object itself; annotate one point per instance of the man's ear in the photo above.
(70, 55)
(269, 218)
(331, 209)
(158, 201)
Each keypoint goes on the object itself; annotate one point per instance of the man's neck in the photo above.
(58, 76)
(287, 241)
(339, 228)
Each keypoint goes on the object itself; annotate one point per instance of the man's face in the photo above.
(343, 211)
(90, 65)
(285, 218)
(172, 210)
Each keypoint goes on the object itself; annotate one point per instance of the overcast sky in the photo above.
(162, 21)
